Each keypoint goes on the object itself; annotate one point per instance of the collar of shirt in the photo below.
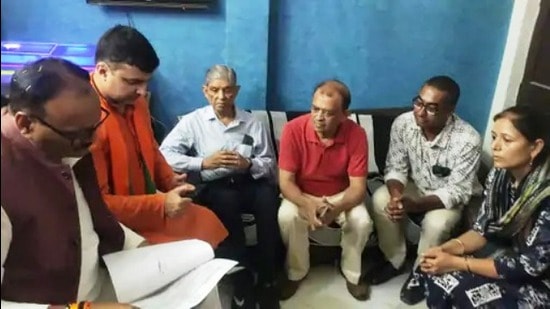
(210, 115)
(312, 137)
(71, 161)
(442, 139)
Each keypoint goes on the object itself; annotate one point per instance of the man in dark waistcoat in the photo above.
(55, 225)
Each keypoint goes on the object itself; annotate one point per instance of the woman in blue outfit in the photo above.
(515, 216)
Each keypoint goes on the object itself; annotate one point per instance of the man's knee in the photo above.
(266, 190)
(437, 225)
(288, 213)
(380, 199)
(266, 202)
(359, 219)
(219, 197)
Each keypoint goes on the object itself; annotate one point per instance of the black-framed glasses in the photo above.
(74, 136)
(432, 109)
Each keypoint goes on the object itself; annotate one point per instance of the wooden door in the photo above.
(535, 87)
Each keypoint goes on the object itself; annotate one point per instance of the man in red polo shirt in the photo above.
(323, 176)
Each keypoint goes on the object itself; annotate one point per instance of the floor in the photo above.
(325, 288)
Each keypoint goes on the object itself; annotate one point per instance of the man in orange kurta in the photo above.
(138, 185)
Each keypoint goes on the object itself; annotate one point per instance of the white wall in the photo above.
(522, 24)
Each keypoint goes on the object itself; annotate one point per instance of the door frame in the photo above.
(534, 47)
(514, 60)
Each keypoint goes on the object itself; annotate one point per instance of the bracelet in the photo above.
(467, 264)
(461, 244)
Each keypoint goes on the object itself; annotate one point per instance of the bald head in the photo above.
(40, 81)
(334, 89)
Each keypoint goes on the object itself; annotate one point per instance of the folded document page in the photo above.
(171, 275)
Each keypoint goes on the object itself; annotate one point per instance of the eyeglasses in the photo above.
(76, 136)
(432, 109)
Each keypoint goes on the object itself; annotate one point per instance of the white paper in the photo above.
(191, 289)
(244, 150)
(139, 272)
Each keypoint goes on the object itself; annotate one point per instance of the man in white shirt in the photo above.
(233, 155)
(430, 175)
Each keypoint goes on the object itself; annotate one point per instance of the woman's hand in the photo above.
(435, 261)
(432, 251)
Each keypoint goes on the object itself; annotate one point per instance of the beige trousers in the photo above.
(356, 229)
(436, 228)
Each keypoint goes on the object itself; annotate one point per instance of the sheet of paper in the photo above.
(139, 272)
(189, 290)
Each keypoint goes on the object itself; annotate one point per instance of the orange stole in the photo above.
(123, 185)
(196, 222)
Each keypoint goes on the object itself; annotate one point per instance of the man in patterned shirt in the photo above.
(430, 175)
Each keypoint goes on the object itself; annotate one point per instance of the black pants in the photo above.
(228, 198)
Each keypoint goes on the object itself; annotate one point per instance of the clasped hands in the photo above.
(318, 212)
(227, 159)
(436, 261)
(399, 206)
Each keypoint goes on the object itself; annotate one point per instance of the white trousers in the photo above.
(436, 228)
(356, 228)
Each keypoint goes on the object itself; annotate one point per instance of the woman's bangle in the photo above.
(461, 244)
(467, 262)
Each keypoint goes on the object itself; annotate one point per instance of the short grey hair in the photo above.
(219, 71)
